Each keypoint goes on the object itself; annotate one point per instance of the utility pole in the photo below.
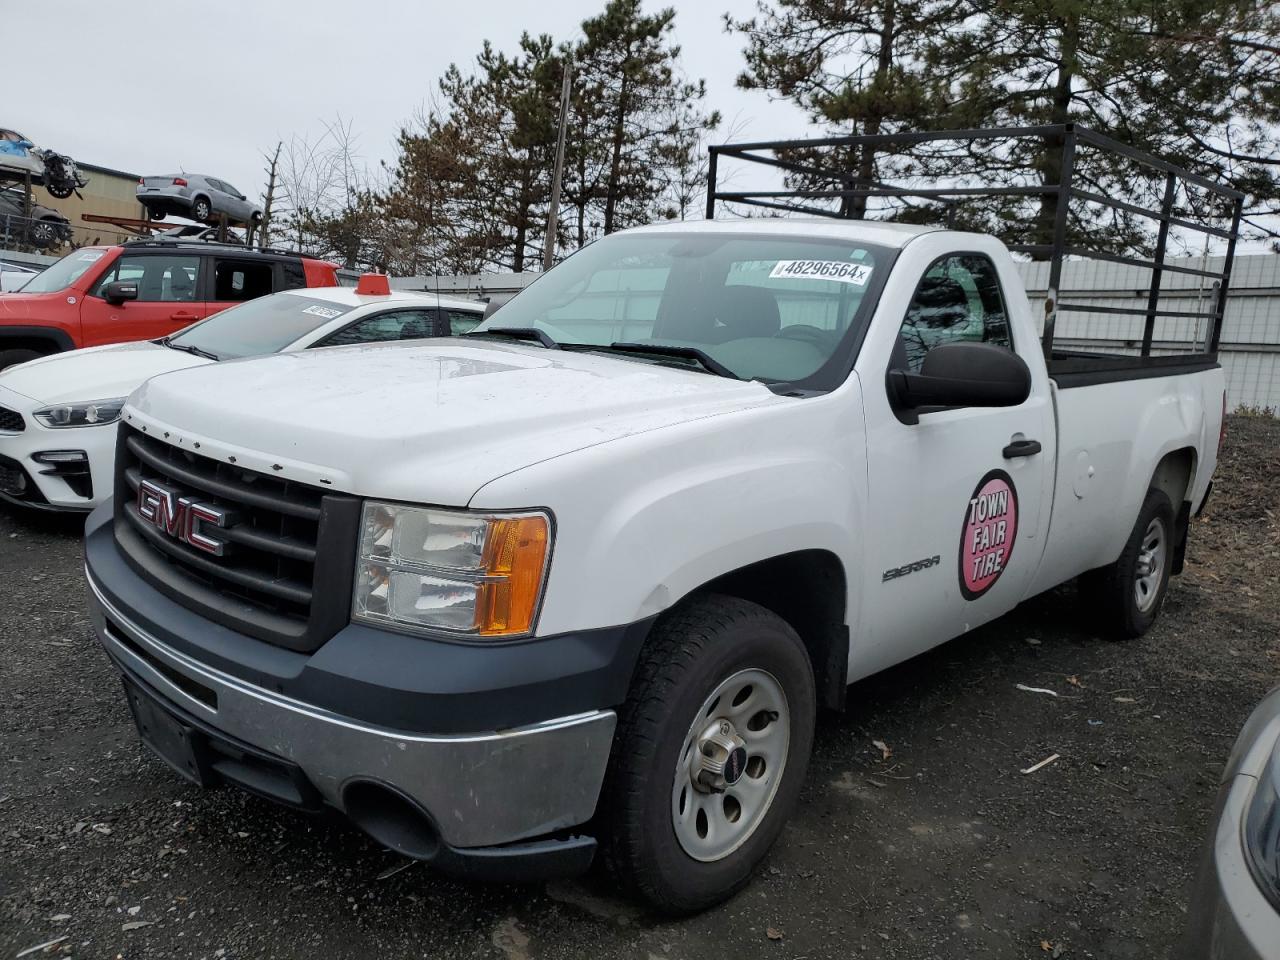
(553, 214)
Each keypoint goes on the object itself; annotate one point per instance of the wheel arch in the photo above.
(44, 339)
(809, 590)
(1173, 477)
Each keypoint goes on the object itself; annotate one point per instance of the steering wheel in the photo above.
(808, 333)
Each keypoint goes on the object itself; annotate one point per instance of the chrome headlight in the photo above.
(428, 570)
(89, 413)
(1262, 830)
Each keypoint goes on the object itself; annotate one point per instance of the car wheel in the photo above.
(44, 233)
(155, 214)
(1128, 594)
(11, 358)
(201, 211)
(709, 754)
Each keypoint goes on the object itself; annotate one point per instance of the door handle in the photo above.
(183, 317)
(1021, 448)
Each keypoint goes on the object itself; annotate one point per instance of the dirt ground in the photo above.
(941, 849)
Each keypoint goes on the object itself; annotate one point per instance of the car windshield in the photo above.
(760, 307)
(255, 327)
(65, 272)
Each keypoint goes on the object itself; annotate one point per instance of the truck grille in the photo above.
(11, 421)
(287, 564)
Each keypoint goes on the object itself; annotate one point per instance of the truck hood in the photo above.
(424, 421)
(95, 373)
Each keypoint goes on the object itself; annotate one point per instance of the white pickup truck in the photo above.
(583, 578)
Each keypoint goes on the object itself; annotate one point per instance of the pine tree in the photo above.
(1194, 81)
(856, 67)
(642, 118)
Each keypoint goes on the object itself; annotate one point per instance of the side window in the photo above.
(161, 278)
(384, 327)
(462, 321)
(958, 299)
(237, 280)
(294, 274)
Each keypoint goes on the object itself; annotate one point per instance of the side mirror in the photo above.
(118, 291)
(960, 374)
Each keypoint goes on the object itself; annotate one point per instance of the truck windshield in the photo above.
(266, 325)
(64, 273)
(771, 308)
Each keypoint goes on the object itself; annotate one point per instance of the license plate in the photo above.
(171, 739)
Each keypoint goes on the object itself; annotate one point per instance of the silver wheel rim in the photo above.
(730, 764)
(1150, 565)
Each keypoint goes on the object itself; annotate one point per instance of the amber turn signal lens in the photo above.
(515, 550)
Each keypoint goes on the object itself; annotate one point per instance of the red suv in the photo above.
(141, 290)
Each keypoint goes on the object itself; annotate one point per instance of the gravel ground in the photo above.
(939, 849)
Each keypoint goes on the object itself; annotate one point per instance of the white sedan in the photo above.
(58, 413)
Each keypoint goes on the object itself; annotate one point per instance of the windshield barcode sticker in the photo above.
(327, 312)
(840, 271)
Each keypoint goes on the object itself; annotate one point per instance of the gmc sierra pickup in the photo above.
(582, 578)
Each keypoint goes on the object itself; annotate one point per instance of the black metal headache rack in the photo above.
(1059, 194)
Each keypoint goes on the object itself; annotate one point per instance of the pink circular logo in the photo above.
(987, 537)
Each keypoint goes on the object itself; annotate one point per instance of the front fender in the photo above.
(643, 521)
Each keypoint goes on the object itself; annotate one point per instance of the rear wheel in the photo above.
(156, 214)
(201, 211)
(1129, 593)
(710, 753)
(9, 358)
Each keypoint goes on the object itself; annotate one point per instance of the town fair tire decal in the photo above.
(989, 531)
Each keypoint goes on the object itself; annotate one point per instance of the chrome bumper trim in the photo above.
(481, 789)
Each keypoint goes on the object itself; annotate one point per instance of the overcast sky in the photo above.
(158, 86)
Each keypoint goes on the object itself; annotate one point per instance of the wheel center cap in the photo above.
(721, 758)
(735, 765)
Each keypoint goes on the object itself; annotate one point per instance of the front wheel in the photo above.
(710, 753)
(1129, 593)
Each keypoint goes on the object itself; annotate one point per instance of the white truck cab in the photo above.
(582, 578)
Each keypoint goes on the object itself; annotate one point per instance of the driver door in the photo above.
(955, 499)
(167, 299)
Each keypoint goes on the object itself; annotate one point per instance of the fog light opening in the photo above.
(391, 819)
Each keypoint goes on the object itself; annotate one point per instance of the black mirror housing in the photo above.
(118, 291)
(961, 374)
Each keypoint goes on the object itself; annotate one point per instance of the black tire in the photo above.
(1113, 590)
(155, 214)
(44, 233)
(688, 655)
(9, 358)
(201, 210)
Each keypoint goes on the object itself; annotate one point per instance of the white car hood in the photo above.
(95, 373)
(427, 421)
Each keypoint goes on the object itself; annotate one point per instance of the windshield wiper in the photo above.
(188, 348)
(519, 333)
(708, 362)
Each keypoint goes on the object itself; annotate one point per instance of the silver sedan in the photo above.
(195, 195)
(1235, 910)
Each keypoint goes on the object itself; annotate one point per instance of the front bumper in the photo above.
(42, 486)
(478, 790)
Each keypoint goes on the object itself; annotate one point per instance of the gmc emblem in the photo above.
(181, 517)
